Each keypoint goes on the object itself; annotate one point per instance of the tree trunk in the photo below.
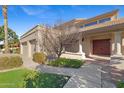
(58, 56)
(5, 28)
(60, 51)
(6, 35)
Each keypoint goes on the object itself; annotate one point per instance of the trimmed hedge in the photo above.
(63, 62)
(8, 62)
(39, 58)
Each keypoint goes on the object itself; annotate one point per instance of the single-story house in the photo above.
(102, 35)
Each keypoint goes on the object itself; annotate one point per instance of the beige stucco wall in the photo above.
(74, 47)
(31, 36)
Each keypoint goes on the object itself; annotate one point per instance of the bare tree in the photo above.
(55, 38)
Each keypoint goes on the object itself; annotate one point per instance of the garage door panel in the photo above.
(101, 47)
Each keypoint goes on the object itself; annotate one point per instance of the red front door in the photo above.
(101, 47)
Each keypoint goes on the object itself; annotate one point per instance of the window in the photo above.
(104, 20)
(90, 24)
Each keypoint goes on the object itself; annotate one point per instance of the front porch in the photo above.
(72, 55)
(83, 48)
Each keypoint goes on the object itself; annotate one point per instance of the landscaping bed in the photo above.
(120, 84)
(41, 58)
(64, 62)
(31, 79)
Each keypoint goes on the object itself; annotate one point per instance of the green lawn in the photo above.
(15, 79)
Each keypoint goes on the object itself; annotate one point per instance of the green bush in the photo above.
(63, 62)
(44, 80)
(39, 58)
(10, 62)
(120, 84)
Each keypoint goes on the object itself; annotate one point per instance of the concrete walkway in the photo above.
(11, 69)
(90, 75)
(28, 63)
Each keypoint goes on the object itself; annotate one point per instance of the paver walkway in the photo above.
(106, 72)
(90, 75)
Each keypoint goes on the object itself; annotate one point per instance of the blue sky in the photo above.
(23, 18)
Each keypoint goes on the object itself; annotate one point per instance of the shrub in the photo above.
(15, 61)
(44, 80)
(63, 62)
(10, 62)
(4, 62)
(39, 58)
(120, 84)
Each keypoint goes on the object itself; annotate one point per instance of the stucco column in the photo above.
(38, 47)
(117, 45)
(29, 48)
(21, 48)
(117, 57)
(81, 47)
(63, 49)
(39, 41)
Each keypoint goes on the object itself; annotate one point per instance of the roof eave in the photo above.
(111, 28)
